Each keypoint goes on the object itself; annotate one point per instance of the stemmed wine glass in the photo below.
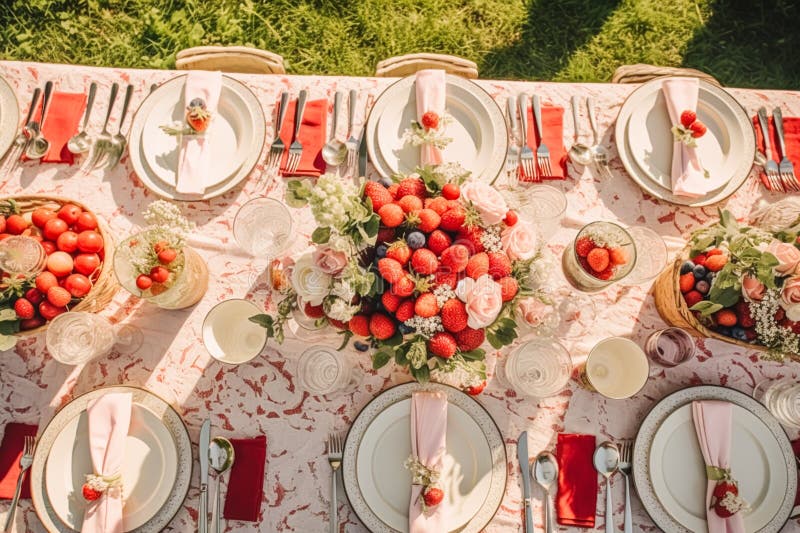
(77, 337)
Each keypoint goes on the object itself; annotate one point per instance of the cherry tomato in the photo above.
(86, 221)
(144, 282)
(160, 245)
(40, 216)
(69, 213)
(49, 247)
(45, 280)
(2, 223)
(78, 285)
(159, 274)
(31, 323)
(15, 224)
(58, 296)
(34, 296)
(87, 264)
(167, 256)
(53, 228)
(90, 241)
(60, 263)
(49, 311)
(67, 241)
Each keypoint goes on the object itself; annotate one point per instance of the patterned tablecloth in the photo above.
(262, 398)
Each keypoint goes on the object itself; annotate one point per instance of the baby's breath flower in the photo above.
(426, 327)
(166, 215)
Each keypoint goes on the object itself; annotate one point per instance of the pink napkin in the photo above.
(194, 160)
(109, 419)
(428, 434)
(688, 178)
(712, 422)
(431, 96)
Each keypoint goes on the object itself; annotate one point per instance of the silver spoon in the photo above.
(38, 145)
(579, 153)
(220, 457)
(606, 462)
(599, 152)
(335, 150)
(80, 142)
(545, 471)
(118, 141)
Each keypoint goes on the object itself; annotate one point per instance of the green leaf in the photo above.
(474, 355)
(381, 357)
(726, 297)
(706, 307)
(297, 193)
(422, 374)
(266, 322)
(346, 336)
(321, 235)
(7, 314)
(394, 340)
(372, 225)
(7, 342)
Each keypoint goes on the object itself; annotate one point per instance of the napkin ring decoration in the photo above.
(96, 486)
(725, 501)
(431, 495)
(196, 121)
(689, 130)
(430, 129)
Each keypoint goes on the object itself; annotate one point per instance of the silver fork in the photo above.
(296, 148)
(512, 155)
(542, 152)
(25, 463)
(13, 154)
(335, 460)
(786, 168)
(770, 167)
(277, 146)
(526, 154)
(103, 142)
(352, 141)
(118, 141)
(626, 467)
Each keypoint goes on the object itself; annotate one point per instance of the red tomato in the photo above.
(58, 296)
(45, 280)
(49, 247)
(86, 264)
(160, 245)
(31, 323)
(90, 241)
(34, 296)
(15, 224)
(60, 263)
(2, 223)
(144, 282)
(4, 236)
(159, 274)
(67, 241)
(69, 213)
(49, 311)
(40, 216)
(78, 285)
(86, 221)
(167, 256)
(53, 228)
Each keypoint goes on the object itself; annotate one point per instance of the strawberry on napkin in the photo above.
(576, 500)
(553, 126)
(791, 132)
(63, 114)
(10, 454)
(246, 484)
(312, 133)
(428, 447)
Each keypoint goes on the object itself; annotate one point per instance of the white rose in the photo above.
(310, 283)
(490, 204)
(520, 241)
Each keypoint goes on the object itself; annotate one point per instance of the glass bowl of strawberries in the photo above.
(601, 254)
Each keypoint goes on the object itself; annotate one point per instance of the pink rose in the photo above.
(533, 311)
(790, 298)
(329, 260)
(520, 241)
(753, 289)
(489, 203)
(483, 299)
(787, 255)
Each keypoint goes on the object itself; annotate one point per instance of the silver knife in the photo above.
(202, 452)
(525, 471)
(362, 152)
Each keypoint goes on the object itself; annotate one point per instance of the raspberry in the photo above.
(453, 218)
(451, 191)
(403, 287)
(583, 246)
(743, 314)
(390, 302)
(692, 297)
(313, 311)
(715, 262)
(405, 310)
(686, 282)
(474, 390)
(390, 269)
(424, 262)
(24, 309)
(699, 259)
(385, 235)
(618, 256)
(359, 325)
(399, 251)
(412, 186)
(438, 241)
(391, 215)
(426, 305)
(455, 258)
(445, 277)
(725, 317)
(478, 265)
(471, 238)
(433, 496)
(381, 326)
(442, 344)
(688, 117)
(511, 218)
(454, 315)
(437, 204)
(499, 265)
(410, 203)
(469, 339)
(598, 259)
(430, 120)
(508, 287)
(378, 194)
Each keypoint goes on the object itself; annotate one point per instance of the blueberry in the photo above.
(724, 330)
(687, 267)
(702, 286)
(699, 271)
(361, 346)
(738, 333)
(405, 330)
(198, 102)
(380, 251)
(710, 277)
(386, 182)
(415, 239)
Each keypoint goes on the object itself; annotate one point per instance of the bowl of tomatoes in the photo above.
(76, 275)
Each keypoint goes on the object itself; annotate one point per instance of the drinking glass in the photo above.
(651, 255)
(782, 398)
(616, 367)
(539, 368)
(263, 227)
(77, 337)
(545, 206)
(22, 255)
(576, 269)
(670, 347)
(229, 335)
(323, 370)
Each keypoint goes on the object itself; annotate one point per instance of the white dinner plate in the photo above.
(379, 442)
(670, 474)
(157, 441)
(9, 116)
(478, 129)
(644, 142)
(148, 472)
(240, 116)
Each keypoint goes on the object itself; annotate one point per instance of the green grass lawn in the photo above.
(743, 43)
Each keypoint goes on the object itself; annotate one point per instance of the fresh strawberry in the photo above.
(692, 297)
(698, 129)
(338, 324)
(442, 344)
(725, 499)
(453, 219)
(725, 317)
(409, 203)
(34, 296)
(197, 116)
(472, 238)
(386, 235)
(605, 275)
(313, 311)
(455, 258)
(425, 220)
(90, 494)
(499, 265)
(31, 323)
(379, 195)
(686, 282)
(424, 262)
(618, 256)
(438, 204)
(391, 215)
(433, 496)
(404, 286)
(508, 287)
(478, 265)
(445, 277)
(598, 259)
(469, 339)
(454, 315)
(583, 246)
(24, 309)
(688, 117)
(714, 263)
(359, 325)
(451, 191)
(405, 310)
(390, 269)
(426, 305)
(699, 259)
(399, 251)
(714, 251)
(511, 218)
(381, 326)
(393, 189)
(58, 296)
(430, 120)
(751, 334)
(412, 186)
(438, 241)
(474, 390)
(390, 301)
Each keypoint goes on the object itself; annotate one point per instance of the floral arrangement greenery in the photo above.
(422, 270)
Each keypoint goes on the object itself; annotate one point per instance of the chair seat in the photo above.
(400, 66)
(240, 59)
(642, 72)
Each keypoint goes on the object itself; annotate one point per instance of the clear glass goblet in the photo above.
(77, 337)
(263, 227)
(538, 368)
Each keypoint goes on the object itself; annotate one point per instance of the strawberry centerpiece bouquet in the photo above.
(423, 270)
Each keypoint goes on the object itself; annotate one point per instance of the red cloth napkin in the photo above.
(63, 114)
(311, 135)
(791, 132)
(246, 484)
(553, 126)
(576, 500)
(10, 454)
(796, 448)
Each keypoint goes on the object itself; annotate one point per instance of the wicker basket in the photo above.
(105, 285)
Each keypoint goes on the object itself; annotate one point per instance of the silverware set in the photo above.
(334, 451)
(352, 142)
(25, 463)
(217, 453)
(295, 147)
(780, 177)
(531, 170)
(608, 460)
(107, 149)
